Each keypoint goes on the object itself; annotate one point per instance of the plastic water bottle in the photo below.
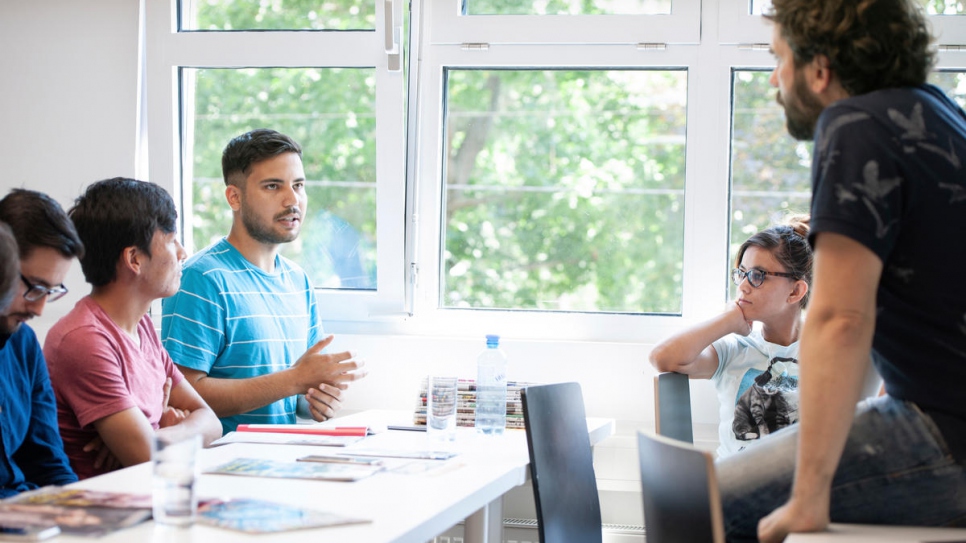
(491, 388)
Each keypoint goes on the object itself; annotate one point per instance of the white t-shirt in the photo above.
(757, 384)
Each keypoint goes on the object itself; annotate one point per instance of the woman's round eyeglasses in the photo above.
(755, 276)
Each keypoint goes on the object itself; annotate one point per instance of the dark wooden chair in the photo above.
(561, 464)
(672, 406)
(679, 491)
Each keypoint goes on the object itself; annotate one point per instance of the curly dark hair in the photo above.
(870, 44)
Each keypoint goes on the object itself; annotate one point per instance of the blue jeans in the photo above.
(895, 469)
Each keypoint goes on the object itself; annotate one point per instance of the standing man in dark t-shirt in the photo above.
(888, 231)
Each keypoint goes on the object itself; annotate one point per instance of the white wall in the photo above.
(68, 102)
(69, 116)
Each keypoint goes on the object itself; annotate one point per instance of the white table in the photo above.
(403, 508)
(864, 533)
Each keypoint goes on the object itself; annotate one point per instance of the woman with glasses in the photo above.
(754, 368)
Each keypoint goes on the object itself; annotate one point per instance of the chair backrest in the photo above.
(561, 464)
(672, 406)
(679, 491)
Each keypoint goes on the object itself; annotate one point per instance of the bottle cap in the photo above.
(492, 339)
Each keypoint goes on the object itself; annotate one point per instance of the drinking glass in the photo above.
(175, 471)
(441, 399)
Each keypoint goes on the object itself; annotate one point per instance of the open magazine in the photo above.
(77, 511)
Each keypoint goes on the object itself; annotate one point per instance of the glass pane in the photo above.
(933, 7)
(567, 7)
(944, 7)
(331, 113)
(277, 15)
(954, 83)
(564, 190)
(770, 170)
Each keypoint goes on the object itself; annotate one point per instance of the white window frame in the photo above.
(737, 25)
(681, 26)
(731, 39)
(553, 45)
(408, 297)
(950, 31)
(168, 50)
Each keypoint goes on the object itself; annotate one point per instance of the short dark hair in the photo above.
(252, 147)
(37, 220)
(9, 267)
(788, 243)
(114, 214)
(870, 44)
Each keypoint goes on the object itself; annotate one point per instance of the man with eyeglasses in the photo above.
(47, 244)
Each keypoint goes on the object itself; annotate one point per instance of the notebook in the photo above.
(680, 492)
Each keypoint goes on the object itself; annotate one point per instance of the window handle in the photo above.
(393, 31)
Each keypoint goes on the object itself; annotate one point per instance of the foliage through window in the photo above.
(770, 170)
(564, 190)
(277, 15)
(330, 112)
(933, 7)
(567, 7)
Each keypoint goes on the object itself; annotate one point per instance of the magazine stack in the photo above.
(466, 404)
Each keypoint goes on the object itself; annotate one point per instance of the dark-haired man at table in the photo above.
(46, 243)
(112, 378)
(245, 328)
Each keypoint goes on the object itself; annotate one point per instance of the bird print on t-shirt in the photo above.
(872, 191)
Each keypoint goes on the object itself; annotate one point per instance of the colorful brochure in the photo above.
(257, 467)
(258, 516)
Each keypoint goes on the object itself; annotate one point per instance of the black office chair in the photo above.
(561, 464)
(672, 406)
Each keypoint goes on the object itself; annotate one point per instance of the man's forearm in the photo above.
(835, 345)
(834, 357)
(228, 397)
(201, 421)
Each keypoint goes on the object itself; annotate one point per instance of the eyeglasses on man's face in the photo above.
(755, 276)
(36, 292)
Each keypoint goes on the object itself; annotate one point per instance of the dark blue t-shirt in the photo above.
(888, 172)
(33, 453)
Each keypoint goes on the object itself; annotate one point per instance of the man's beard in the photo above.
(263, 233)
(801, 110)
(6, 329)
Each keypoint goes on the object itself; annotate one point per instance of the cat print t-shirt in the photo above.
(757, 384)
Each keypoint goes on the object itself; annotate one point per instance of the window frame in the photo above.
(737, 25)
(449, 26)
(560, 51)
(409, 169)
(168, 50)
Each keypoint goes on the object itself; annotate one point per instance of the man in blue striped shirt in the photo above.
(244, 328)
